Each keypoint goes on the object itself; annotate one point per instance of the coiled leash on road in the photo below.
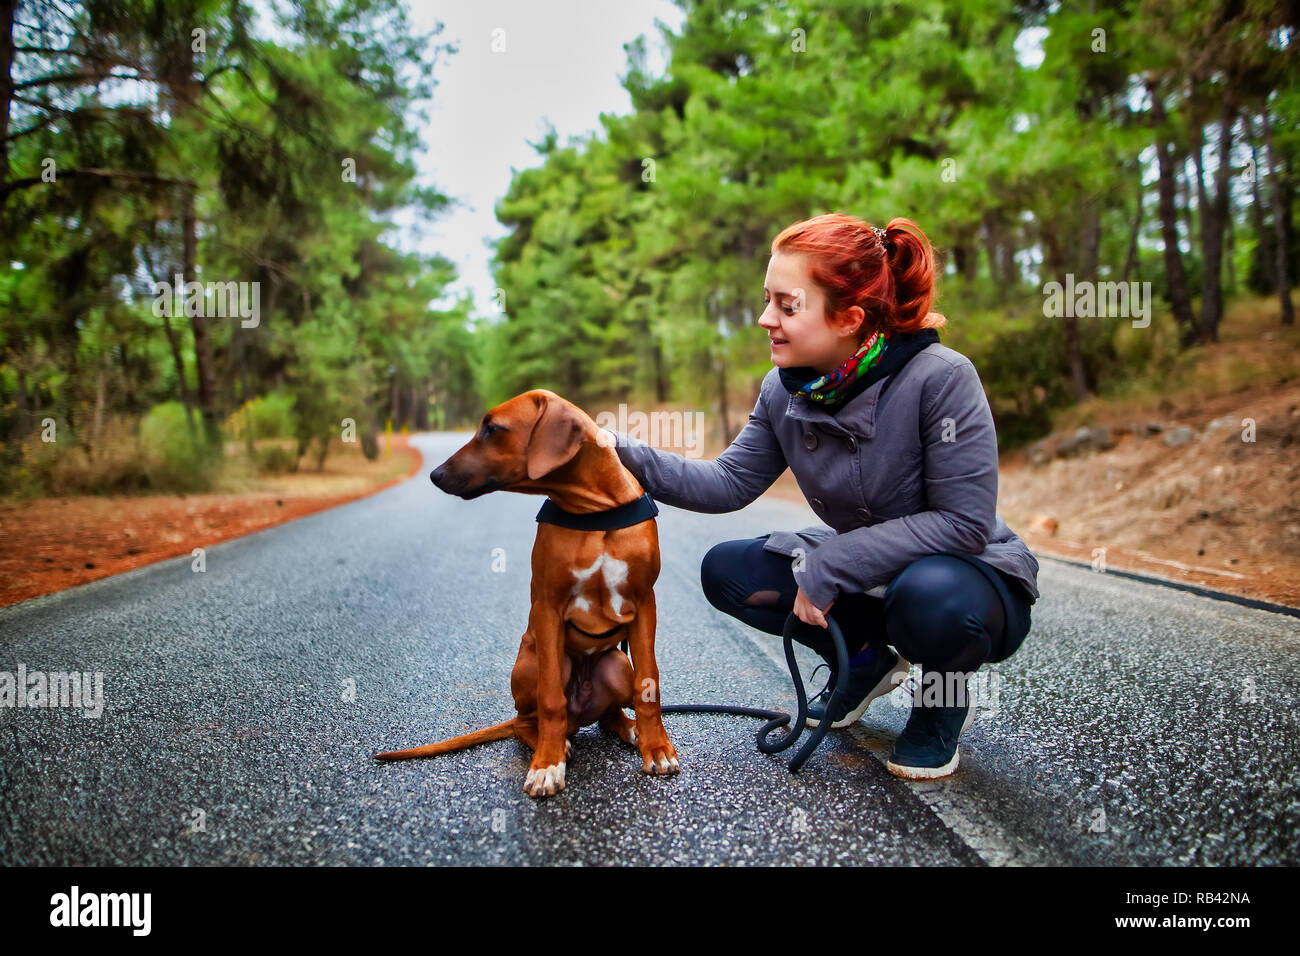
(779, 718)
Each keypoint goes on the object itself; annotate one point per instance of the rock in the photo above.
(1086, 439)
(1227, 421)
(1153, 428)
(1180, 436)
(1044, 523)
(1037, 453)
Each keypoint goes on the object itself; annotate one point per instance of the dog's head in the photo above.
(520, 440)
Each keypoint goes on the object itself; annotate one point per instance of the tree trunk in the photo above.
(1267, 263)
(97, 422)
(1073, 350)
(1279, 224)
(179, 362)
(1213, 218)
(7, 9)
(1091, 241)
(1175, 276)
(199, 326)
(1131, 258)
(128, 386)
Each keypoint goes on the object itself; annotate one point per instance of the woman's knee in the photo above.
(722, 573)
(937, 612)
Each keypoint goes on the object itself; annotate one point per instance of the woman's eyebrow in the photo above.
(784, 294)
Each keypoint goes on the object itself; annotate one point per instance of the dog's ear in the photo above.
(556, 438)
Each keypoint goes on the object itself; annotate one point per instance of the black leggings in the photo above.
(941, 611)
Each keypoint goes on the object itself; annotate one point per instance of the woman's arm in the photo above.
(960, 446)
(728, 483)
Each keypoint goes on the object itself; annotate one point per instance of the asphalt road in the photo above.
(1136, 725)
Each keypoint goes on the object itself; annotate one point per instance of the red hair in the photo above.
(892, 281)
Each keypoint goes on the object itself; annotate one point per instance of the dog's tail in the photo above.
(500, 731)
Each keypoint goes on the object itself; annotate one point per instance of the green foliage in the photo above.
(370, 444)
(174, 459)
(267, 416)
(276, 460)
(634, 259)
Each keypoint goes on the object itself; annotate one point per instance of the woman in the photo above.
(890, 437)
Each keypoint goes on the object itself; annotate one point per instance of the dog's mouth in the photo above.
(492, 484)
(477, 491)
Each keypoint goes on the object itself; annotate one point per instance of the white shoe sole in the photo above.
(923, 773)
(885, 685)
(931, 773)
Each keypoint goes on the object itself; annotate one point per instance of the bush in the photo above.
(157, 454)
(370, 444)
(276, 460)
(268, 416)
(174, 459)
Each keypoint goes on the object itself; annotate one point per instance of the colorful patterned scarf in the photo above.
(834, 385)
(881, 355)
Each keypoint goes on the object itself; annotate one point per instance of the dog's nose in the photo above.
(436, 475)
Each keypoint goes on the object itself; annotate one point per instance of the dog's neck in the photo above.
(594, 479)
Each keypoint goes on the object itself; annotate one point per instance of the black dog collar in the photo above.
(625, 515)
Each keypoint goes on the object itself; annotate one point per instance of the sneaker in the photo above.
(927, 747)
(864, 685)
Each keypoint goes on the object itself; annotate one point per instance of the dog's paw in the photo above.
(568, 748)
(660, 761)
(623, 726)
(544, 781)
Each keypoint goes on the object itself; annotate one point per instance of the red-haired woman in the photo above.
(890, 437)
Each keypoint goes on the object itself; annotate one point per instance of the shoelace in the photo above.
(830, 677)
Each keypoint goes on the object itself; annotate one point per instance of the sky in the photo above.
(561, 63)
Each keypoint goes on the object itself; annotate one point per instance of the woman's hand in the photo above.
(807, 612)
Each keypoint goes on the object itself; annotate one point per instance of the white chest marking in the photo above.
(612, 571)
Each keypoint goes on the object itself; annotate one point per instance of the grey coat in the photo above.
(894, 477)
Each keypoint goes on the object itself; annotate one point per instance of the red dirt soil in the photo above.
(50, 544)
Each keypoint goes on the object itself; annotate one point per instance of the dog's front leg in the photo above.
(657, 752)
(546, 774)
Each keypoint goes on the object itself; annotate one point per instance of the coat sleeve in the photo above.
(960, 462)
(740, 474)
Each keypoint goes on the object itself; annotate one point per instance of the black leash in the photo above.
(779, 718)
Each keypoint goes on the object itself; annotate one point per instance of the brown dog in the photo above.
(590, 589)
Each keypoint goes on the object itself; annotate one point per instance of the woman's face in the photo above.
(795, 318)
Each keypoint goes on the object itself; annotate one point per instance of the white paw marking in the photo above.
(545, 782)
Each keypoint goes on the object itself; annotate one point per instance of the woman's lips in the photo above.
(777, 343)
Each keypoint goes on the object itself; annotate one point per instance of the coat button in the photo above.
(853, 444)
(864, 514)
(809, 440)
(818, 504)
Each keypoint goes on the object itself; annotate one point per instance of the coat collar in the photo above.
(856, 417)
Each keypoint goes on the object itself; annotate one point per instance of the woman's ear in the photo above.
(853, 320)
